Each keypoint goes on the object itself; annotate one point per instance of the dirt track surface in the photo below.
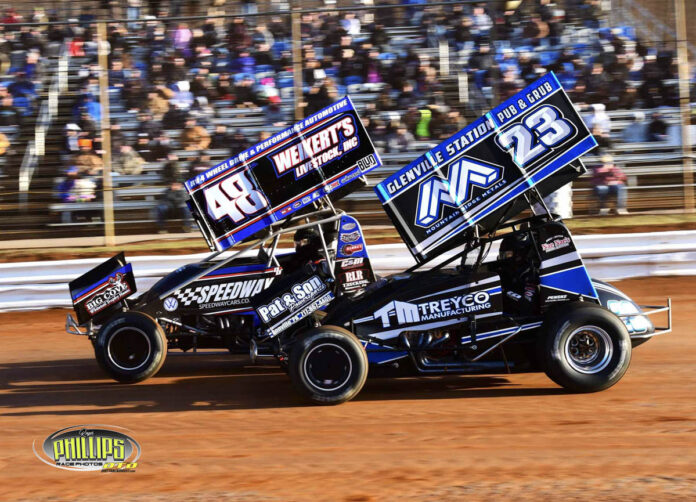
(212, 428)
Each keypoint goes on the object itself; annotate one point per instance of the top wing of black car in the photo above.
(317, 157)
(480, 175)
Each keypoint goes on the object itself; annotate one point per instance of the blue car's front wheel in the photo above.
(584, 347)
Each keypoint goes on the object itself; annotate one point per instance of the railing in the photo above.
(37, 285)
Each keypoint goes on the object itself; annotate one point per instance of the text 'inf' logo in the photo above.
(455, 190)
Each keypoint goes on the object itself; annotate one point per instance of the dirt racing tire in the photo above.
(328, 365)
(584, 347)
(131, 347)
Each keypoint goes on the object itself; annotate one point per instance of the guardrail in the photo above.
(43, 284)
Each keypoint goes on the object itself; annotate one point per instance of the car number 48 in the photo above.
(536, 135)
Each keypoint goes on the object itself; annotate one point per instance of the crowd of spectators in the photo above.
(171, 75)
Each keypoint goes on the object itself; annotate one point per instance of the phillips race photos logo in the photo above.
(102, 448)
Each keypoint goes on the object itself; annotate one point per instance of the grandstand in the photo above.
(427, 69)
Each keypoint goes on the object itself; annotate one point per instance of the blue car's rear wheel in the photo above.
(585, 347)
(328, 365)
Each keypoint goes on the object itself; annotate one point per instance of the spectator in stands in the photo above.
(609, 180)
(158, 101)
(351, 24)
(182, 39)
(134, 92)
(161, 147)
(171, 171)
(143, 146)
(4, 145)
(127, 161)
(175, 118)
(75, 187)
(148, 125)
(273, 113)
(599, 123)
(72, 137)
(400, 140)
(220, 138)
(117, 76)
(423, 126)
(9, 115)
(87, 162)
(657, 129)
(87, 125)
(194, 137)
(172, 205)
(244, 93)
(239, 142)
(199, 165)
(636, 131)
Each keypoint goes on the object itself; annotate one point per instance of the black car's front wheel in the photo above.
(585, 347)
(328, 365)
(131, 347)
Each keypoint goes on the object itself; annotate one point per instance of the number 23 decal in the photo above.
(535, 135)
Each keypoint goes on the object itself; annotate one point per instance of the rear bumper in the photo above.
(649, 310)
(73, 328)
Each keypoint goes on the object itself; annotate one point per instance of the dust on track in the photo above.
(211, 427)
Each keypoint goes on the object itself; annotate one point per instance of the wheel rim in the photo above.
(129, 348)
(328, 367)
(588, 349)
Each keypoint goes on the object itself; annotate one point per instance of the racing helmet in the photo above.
(515, 249)
(308, 244)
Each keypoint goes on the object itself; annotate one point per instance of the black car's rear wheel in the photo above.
(131, 347)
(585, 347)
(328, 365)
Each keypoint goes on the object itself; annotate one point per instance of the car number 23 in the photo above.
(536, 135)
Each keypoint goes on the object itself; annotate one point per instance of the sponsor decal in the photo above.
(349, 249)
(302, 314)
(223, 294)
(306, 200)
(347, 227)
(556, 298)
(455, 191)
(350, 237)
(332, 186)
(116, 289)
(351, 263)
(355, 276)
(409, 313)
(297, 204)
(102, 448)
(556, 242)
(296, 297)
(367, 163)
(236, 197)
(313, 151)
(349, 177)
(171, 304)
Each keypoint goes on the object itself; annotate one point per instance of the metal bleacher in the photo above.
(654, 169)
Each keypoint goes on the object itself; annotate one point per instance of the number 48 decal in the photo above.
(537, 134)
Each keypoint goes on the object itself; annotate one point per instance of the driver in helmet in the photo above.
(518, 274)
(309, 250)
